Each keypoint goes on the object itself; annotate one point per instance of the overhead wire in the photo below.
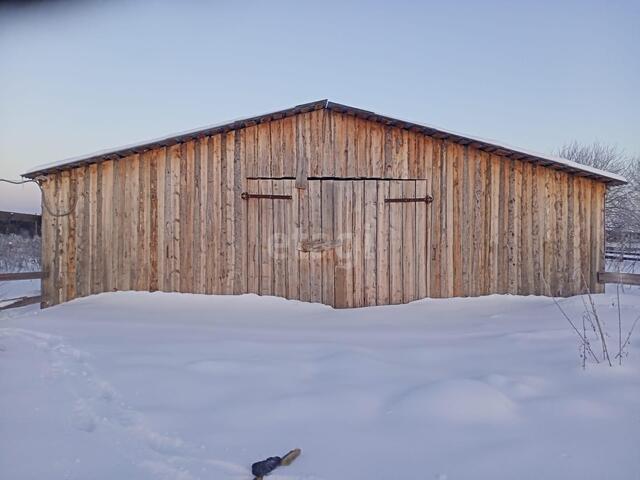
(46, 206)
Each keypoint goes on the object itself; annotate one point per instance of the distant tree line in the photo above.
(622, 207)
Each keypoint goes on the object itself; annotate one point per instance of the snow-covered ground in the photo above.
(175, 386)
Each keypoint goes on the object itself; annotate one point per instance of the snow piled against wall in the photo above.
(171, 386)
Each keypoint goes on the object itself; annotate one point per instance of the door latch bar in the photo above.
(427, 199)
(247, 195)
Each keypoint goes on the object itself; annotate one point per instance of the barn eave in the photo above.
(489, 146)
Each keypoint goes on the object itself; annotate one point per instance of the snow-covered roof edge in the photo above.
(488, 145)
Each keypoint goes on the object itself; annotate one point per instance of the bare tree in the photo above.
(622, 207)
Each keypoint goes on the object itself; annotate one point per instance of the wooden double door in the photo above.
(341, 242)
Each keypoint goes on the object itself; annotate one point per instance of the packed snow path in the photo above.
(175, 386)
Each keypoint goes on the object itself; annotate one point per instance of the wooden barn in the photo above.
(324, 203)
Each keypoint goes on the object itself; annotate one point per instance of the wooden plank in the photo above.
(186, 197)
(388, 152)
(549, 238)
(61, 225)
(561, 229)
(537, 227)
(304, 234)
(144, 239)
(196, 186)
(503, 212)
(351, 155)
(215, 205)
(526, 237)
(156, 218)
(328, 163)
(264, 150)
(70, 235)
(62, 196)
(340, 145)
(253, 238)
(422, 254)
(160, 158)
(412, 154)
(302, 151)
(204, 215)
(126, 267)
(230, 194)
(22, 302)
(427, 158)
(328, 257)
(277, 156)
(382, 241)
(618, 277)
(513, 230)
(574, 236)
(5, 277)
(53, 264)
(314, 140)
(376, 158)
(169, 223)
(600, 233)
(251, 150)
(95, 279)
(485, 205)
(409, 259)
(107, 245)
(362, 138)
(551, 247)
(341, 270)
(206, 256)
(292, 221)
(346, 237)
(436, 224)
(399, 155)
(280, 242)
(176, 232)
(225, 213)
(457, 172)
(240, 281)
(476, 184)
(372, 212)
(82, 240)
(124, 222)
(266, 239)
(395, 244)
(597, 232)
(149, 253)
(138, 262)
(133, 189)
(494, 220)
(289, 144)
(358, 244)
(447, 215)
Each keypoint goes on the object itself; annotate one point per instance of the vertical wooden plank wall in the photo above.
(173, 219)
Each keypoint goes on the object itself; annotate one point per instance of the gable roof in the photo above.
(491, 146)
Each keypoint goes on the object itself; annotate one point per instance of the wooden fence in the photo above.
(21, 276)
(619, 277)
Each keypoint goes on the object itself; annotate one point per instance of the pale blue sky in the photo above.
(80, 77)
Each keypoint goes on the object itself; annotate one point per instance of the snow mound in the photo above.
(153, 386)
(458, 400)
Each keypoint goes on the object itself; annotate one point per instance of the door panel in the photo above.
(339, 242)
